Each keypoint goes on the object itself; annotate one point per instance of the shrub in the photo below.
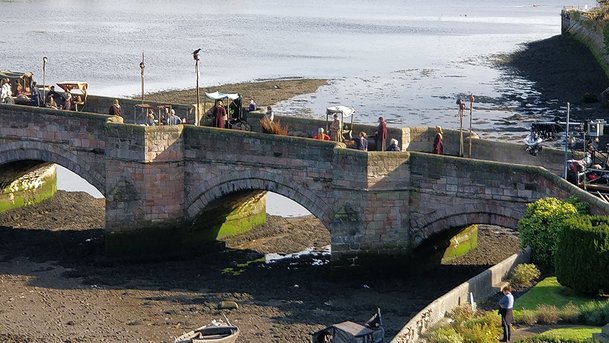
(527, 317)
(596, 312)
(524, 274)
(273, 127)
(547, 314)
(583, 261)
(445, 334)
(480, 333)
(540, 225)
(570, 313)
(461, 314)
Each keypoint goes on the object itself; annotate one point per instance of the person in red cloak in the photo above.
(438, 144)
(381, 135)
(219, 115)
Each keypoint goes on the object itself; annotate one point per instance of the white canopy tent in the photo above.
(219, 96)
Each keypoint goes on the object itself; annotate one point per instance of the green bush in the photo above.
(540, 225)
(524, 274)
(570, 313)
(595, 313)
(526, 317)
(468, 327)
(547, 314)
(445, 334)
(480, 333)
(583, 261)
(461, 314)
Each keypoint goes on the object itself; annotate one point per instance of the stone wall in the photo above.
(480, 287)
(587, 32)
(71, 139)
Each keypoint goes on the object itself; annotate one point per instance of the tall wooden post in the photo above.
(44, 72)
(195, 55)
(471, 115)
(142, 66)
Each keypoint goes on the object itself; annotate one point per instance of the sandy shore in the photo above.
(264, 93)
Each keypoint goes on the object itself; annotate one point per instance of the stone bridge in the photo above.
(158, 181)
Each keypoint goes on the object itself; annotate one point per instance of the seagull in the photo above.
(195, 54)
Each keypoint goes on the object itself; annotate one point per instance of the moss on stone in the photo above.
(461, 243)
(23, 194)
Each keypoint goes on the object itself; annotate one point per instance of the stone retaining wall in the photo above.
(481, 286)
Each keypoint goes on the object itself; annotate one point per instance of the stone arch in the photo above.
(461, 217)
(309, 200)
(38, 151)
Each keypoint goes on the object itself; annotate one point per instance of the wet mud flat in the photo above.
(55, 286)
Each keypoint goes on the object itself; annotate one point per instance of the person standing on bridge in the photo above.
(336, 129)
(6, 96)
(115, 109)
(438, 143)
(381, 135)
(219, 114)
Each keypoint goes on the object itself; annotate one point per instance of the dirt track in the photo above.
(55, 288)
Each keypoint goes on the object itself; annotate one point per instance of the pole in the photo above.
(142, 66)
(195, 55)
(567, 140)
(471, 114)
(198, 97)
(44, 71)
(460, 114)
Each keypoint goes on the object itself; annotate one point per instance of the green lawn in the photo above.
(569, 334)
(548, 291)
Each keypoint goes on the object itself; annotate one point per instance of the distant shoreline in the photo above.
(264, 93)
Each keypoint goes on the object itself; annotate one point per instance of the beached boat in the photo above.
(216, 332)
(349, 332)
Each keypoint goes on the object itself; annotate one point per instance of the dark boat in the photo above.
(349, 332)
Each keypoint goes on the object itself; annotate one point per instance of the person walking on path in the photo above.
(381, 135)
(506, 305)
(438, 143)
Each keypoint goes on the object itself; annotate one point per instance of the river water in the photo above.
(403, 59)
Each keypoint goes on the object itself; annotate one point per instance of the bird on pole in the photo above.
(195, 56)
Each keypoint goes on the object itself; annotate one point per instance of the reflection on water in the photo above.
(317, 256)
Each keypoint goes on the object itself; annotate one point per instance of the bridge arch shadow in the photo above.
(38, 151)
(461, 217)
(308, 199)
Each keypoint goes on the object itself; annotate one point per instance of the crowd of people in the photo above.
(33, 95)
(361, 141)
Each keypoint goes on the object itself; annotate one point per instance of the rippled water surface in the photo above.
(403, 59)
(407, 60)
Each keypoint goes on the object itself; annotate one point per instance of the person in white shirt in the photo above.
(6, 94)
